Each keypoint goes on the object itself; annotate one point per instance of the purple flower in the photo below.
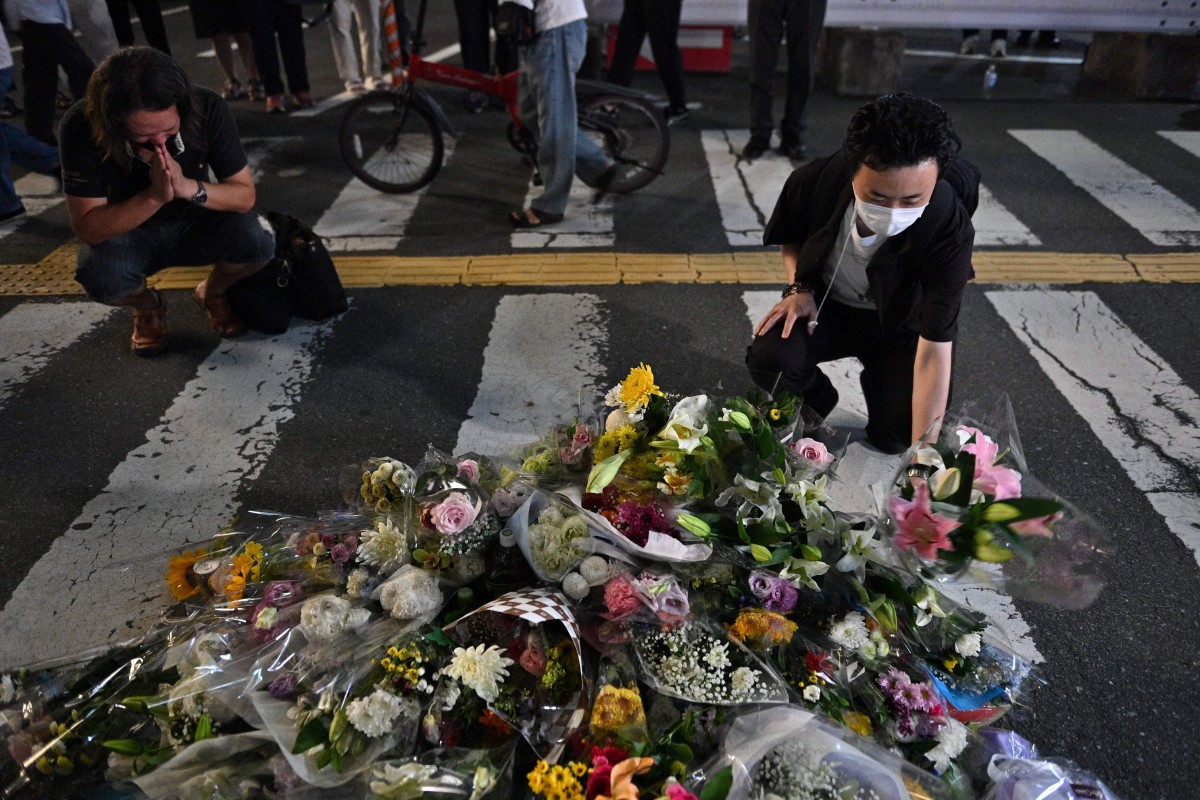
(283, 687)
(927, 698)
(282, 594)
(339, 553)
(351, 543)
(783, 597)
(904, 724)
(329, 540)
(928, 726)
(761, 584)
(892, 680)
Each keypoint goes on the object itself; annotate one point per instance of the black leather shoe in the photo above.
(755, 147)
(793, 149)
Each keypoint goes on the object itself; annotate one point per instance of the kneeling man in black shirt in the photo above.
(876, 243)
(136, 155)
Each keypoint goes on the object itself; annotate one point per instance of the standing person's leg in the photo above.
(766, 33)
(93, 21)
(473, 24)
(506, 51)
(289, 26)
(804, 23)
(118, 10)
(10, 202)
(39, 79)
(341, 37)
(155, 30)
(662, 23)
(261, 29)
(370, 41)
(631, 32)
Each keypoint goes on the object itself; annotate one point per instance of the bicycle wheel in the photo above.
(391, 143)
(632, 132)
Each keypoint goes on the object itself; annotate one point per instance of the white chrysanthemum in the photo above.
(850, 631)
(595, 569)
(952, 740)
(326, 616)
(968, 644)
(375, 714)
(385, 547)
(812, 693)
(575, 586)
(613, 398)
(743, 680)
(403, 477)
(481, 669)
(717, 655)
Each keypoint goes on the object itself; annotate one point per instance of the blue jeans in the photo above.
(118, 267)
(547, 95)
(17, 146)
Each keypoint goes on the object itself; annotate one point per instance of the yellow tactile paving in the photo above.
(55, 274)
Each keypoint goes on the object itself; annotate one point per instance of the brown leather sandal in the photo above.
(220, 313)
(150, 328)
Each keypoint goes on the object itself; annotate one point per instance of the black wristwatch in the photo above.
(797, 288)
(201, 195)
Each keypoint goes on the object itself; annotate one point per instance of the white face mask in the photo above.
(884, 220)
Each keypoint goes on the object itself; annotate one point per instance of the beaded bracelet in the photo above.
(797, 288)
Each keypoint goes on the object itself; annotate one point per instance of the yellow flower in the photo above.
(177, 571)
(615, 708)
(950, 663)
(637, 389)
(761, 628)
(858, 722)
(578, 768)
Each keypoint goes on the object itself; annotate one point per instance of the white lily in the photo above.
(762, 495)
(801, 572)
(687, 423)
(926, 600)
(859, 545)
(809, 495)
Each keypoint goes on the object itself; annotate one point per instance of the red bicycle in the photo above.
(393, 140)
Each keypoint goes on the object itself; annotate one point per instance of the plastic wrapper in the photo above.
(981, 518)
(786, 749)
(699, 663)
(1043, 779)
(521, 654)
(646, 531)
(553, 533)
(451, 514)
(381, 484)
(560, 457)
(618, 716)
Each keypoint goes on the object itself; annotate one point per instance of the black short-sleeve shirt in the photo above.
(210, 141)
(917, 277)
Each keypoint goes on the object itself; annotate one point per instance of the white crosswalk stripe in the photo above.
(995, 225)
(1188, 140)
(102, 577)
(745, 191)
(1160, 216)
(32, 333)
(584, 224)
(1132, 399)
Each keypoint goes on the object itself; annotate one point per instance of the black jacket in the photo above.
(917, 277)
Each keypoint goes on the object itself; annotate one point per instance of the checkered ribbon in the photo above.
(538, 606)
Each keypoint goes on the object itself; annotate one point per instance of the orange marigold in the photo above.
(760, 628)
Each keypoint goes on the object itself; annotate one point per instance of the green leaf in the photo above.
(602, 474)
(886, 614)
(311, 735)
(778, 556)
(1020, 508)
(760, 553)
(717, 787)
(439, 637)
(987, 550)
(695, 526)
(324, 757)
(125, 747)
(340, 724)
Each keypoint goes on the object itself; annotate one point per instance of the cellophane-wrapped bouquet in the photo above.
(700, 620)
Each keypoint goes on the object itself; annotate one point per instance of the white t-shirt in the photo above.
(848, 281)
(555, 13)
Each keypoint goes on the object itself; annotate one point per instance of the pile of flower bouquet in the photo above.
(659, 600)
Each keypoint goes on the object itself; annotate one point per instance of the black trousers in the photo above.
(268, 21)
(660, 20)
(769, 20)
(46, 48)
(844, 332)
(475, 21)
(150, 14)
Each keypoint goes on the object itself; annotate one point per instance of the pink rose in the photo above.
(454, 514)
(620, 597)
(812, 451)
(533, 661)
(469, 468)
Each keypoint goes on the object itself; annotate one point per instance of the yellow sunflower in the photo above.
(638, 387)
(177, 574)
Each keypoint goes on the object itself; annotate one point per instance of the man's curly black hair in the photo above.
(901, 130)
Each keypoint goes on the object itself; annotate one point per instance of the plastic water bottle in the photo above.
(989, 78)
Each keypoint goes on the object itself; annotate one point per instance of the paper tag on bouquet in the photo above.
(539, 625)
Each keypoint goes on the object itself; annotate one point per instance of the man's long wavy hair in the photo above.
(130, 80)
(901, 130)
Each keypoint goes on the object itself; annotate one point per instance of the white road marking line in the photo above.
(38, 193)
(746, 191)
(101, 581)
(33, 332)
(325, 104)
(862, 466)
(1188, 140)
(260, 149)
(543, 358)
(1156, 213)
(362, 218)
(1138, 407)
(996, 225)
(584, 224)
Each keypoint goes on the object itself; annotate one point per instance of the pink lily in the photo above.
(918, 528)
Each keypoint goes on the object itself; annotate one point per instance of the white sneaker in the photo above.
(999, 48)
(969, 44)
